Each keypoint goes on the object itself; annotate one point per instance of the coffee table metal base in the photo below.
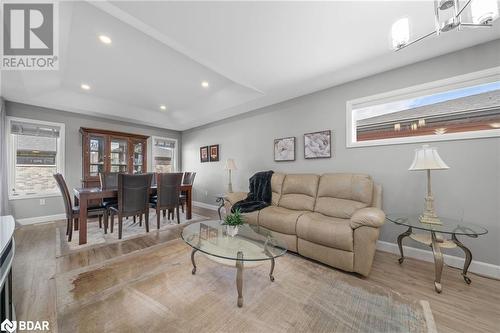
(239, 273)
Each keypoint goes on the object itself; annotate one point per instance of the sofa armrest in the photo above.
(234, 197)
(369, 216)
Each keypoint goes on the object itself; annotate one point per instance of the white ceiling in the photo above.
(253, 54)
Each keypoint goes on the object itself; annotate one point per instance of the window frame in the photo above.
(151, 149)
(11, 154)
(460, 81)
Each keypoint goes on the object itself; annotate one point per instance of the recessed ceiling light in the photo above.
(205, 84)
(163, 107)
(105, 39)
(85, 86)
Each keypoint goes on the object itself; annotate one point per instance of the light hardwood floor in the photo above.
(460, 308)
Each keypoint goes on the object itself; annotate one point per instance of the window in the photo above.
(164, 155)
(458, 108)
(35, 154)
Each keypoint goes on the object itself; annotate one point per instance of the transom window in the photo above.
(458, 108)
(35, 154)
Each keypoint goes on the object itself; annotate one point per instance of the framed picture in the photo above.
(204, 154)
(214, 153)
(284, 149)
(318, 145)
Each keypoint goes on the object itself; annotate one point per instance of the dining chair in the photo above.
(188, 179)
(168, 188)
(108, 180)
(133, 199)
(72, 212)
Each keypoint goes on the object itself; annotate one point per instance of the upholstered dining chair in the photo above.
(108, 180)
(133, 199)
(188, 179)
(168, 188)
(72, 212)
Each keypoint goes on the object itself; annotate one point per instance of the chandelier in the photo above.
(447, 17)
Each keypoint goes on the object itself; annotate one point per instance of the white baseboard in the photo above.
(478, 267)
(41, 219)
(50, 218)
(205, 205)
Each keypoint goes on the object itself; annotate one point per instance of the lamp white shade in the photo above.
(427, 158)
(230, 164)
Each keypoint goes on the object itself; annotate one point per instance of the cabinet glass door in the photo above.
(138, 158)
(96, 155)
(118, 155)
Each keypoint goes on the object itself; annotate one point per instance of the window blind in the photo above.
(25, 128)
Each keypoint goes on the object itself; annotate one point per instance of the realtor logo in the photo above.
(23, 325)
(30, 36)
(8, 326)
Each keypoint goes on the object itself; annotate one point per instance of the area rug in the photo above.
(153, 290)
(131, 229)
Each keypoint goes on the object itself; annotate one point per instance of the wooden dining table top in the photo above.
(97, 192)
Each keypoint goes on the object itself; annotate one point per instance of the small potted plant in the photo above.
(232, 221)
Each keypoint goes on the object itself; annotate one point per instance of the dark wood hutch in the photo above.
(110, 151)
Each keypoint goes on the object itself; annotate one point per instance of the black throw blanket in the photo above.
(259, 195)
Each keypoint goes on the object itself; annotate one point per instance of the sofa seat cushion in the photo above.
(279, 219)
(324, 230)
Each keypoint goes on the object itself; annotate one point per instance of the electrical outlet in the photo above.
(42, 202)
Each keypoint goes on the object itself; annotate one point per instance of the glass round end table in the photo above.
(250, 246)
(436, 241)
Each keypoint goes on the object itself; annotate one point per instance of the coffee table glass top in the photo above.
(448, 226)
(211, 238)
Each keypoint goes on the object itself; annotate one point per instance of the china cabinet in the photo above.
(109, 151)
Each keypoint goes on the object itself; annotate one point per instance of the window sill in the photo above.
(34, 196)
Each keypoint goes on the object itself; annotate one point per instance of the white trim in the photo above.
(35, 196)
(205, 205)
(478, 267)
(41, 219)
(474, 78)
(61, 150)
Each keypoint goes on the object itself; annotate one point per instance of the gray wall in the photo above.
(470, 189)
(26, 208)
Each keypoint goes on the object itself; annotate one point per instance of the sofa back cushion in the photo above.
(341, 194)
(299, 191)
(276, 186)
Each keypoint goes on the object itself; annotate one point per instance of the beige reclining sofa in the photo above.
(333, 218)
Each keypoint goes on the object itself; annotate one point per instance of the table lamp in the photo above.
(230, 165)
(427, 158)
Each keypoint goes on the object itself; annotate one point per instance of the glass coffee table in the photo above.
(437, 242)
(249, 247)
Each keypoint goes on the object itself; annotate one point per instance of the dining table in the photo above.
(83, 195)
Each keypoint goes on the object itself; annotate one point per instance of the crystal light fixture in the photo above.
(400, 33)
(447, 17)
(484, 11)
